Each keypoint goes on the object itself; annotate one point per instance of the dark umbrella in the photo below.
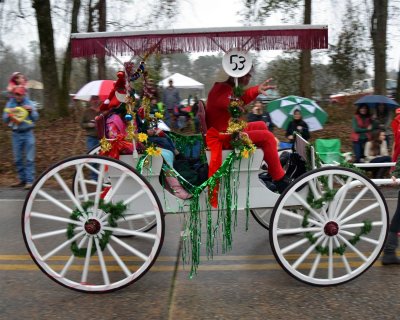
(374, 100)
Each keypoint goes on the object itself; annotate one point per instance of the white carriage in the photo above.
(327, 228)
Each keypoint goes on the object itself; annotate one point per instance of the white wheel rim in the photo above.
(298, 255)
(123, 260)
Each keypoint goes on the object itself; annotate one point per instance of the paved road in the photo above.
(245, 283)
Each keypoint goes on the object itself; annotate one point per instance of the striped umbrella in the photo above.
(100, 88)
(281, 112)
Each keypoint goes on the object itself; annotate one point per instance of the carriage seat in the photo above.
(255, 162)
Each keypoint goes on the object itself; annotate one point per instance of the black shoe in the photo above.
(282, 184)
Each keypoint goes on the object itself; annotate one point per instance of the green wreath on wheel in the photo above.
(115, 212)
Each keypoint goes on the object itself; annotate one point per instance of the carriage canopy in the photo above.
(287, 37)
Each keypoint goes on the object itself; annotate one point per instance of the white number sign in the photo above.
(236, 63)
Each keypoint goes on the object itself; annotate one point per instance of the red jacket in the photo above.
(217, 114)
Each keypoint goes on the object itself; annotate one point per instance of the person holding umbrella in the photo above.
(297, 125)
(362, 126)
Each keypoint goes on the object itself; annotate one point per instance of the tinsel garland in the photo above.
(328, 196)
(184, 142)
(115, 212)
(226, 215)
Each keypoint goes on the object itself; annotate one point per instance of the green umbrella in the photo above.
(281, 112)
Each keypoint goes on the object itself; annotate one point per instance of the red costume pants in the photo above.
(265, 140)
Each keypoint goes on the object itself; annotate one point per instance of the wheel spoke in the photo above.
(134, 196)
(116, 187)
(68, 191)
(330, 259)
(355, 250)
(317, 260)
(344, 259)
(53, 218)
(366, 239)
(360, 212)
(300, 217)
(54, 201)
(307, 252)
(119, 261)
(139, 216)
(361, 224)
(307, 206)
(341, 194)
(63, 245)
(98, 188)
(352, 203)
(85, 270)
(72, 258)
(102, 262)
(297, 244)
(132, 233)
(91, 168)
(80, 177)
(281, 232)
(131, 249)
(48, 234)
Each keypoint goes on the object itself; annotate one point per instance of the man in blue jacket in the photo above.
(21, 115)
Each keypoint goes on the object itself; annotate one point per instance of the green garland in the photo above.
(115, 212)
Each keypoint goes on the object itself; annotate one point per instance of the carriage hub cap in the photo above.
(92, 226)
(331, 228)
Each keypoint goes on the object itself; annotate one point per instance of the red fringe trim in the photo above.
(288, 39)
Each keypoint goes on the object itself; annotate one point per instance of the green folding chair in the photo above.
(329, 152)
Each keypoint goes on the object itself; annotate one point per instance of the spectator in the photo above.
(392, 241)
(89, 124)
(17, 79)
(383, 118)
(21, 115)
(257, 114)
(171, 101)
(297, 125)
(396, 134)
(376, 152)
(362, 127)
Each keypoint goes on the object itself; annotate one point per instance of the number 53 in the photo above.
(237, 62)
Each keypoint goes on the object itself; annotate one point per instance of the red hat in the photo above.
(117, 94)
(19, 90)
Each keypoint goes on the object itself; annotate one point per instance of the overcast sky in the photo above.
(218, 13)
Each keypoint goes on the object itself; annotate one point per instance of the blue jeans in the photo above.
(23, 144)
(92, 142)
(358, 147)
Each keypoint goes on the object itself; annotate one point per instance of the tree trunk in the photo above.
(66, 75)
(305, 59)
(397, 97)
(101, 61)
(47, 55)
(378, 35)
(88, 67)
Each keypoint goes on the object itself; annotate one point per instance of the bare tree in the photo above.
(378, 34)
(47, 54)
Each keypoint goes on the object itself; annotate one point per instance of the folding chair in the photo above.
(329, 152)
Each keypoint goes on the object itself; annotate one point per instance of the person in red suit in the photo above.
(217, 118)
(396, 133)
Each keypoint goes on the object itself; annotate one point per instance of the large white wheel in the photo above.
(341, 227)
(85, 182)
(72, 239)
